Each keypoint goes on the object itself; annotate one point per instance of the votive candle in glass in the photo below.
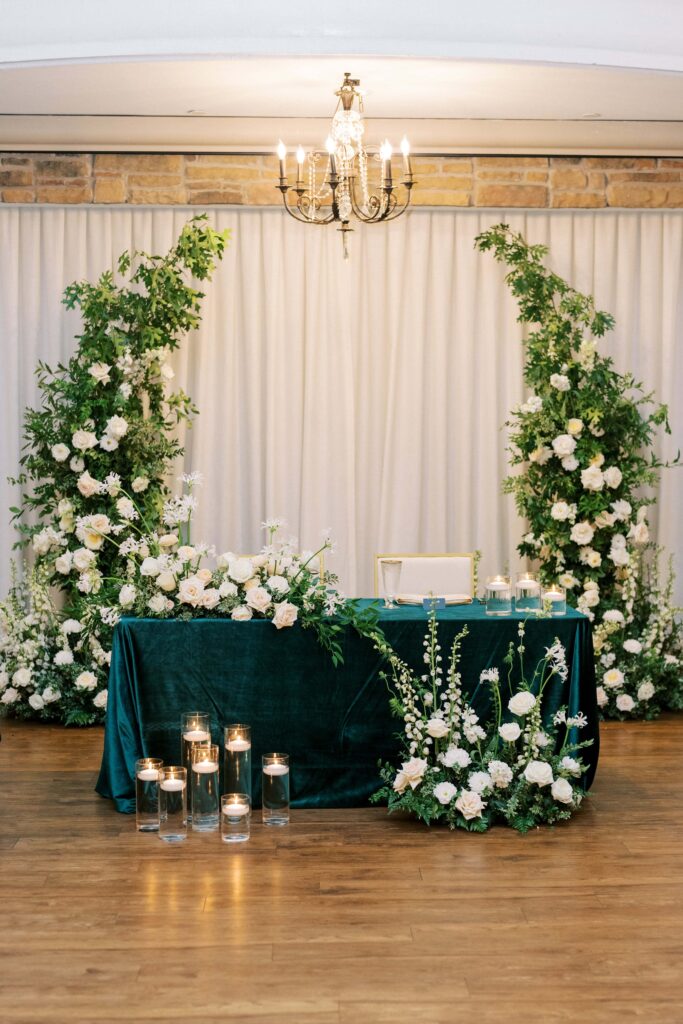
(195, 729)
(555, 599)
(205, 787)
(172, 803)
(147, 793)
(237, 759)
(275, 789)
(527, 592)
(235, 817)
(498, 595)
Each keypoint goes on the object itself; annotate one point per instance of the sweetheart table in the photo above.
(334, 723)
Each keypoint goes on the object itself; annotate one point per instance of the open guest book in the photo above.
(420, 598)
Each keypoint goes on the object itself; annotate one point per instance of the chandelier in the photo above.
(336, 184)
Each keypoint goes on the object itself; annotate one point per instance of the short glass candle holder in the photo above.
(275, 789)
(173, 803)
(147, 793)
(237, 759)
(235, 817)
(498, 595)
(205, 787)
(555, 599)
(195, 729)
(527, 592)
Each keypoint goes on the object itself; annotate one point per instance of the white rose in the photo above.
(469, 804)
(613, 678)
(622, 509)
(541, 740)
(574, 427)
(563, 445)
(60, 452)
(241, 613)
(590, 598)
(83, 440)
(64, 562)
(224, 560)
(444, 792)
(77, 464)
(86, 681)
(602, 697)
(500, 774)
(63, 658)
(562, 511)
(186, 553)
(190, 590)
(560, 381)
(10, 695)
(116, 427)
(509, 732)
(279, 584)
(83, 559)
(612, 476)
(108, 443)
(568, 580)
(166, 581)
(532, 404)
(42, 542)
(140, 483)
(150, 567)
(210, 598)
(640, 533)
(521, 703)
(72, 626)
(258, 598)
(614, 615)
(598, 460)
(619, 554)
(100, 701)
(157, 604)
(22, 677)
(592, 478)
(538, 773)
(285, 614)
(411, 774)
(455, 756)
(127, 595)
(625, 703)
(50, 695)
(562, 791)
(571, 765)
(479, 782)
(241, 570)
(633, 646)
(87, 485)
(36, 701)
(604, 519)
(646, 690)
(227, 589)
(582, 533)
(100, 371)
(570, 463)
(437, 728)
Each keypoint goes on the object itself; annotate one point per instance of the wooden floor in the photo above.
(346, 917)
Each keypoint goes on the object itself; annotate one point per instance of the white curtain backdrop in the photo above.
(365, 396)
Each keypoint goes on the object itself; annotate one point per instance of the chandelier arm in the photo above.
(299, 215)
(364, 217)
(398, 210)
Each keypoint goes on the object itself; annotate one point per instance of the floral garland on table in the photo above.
(581, 445)
(516, 773)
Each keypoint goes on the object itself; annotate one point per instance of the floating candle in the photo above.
(237, 745)
(497, 585)
(173, 785)
(204, 767)
(554, 595)
(196, 736)
(235, 810)
(276, 769)
(149, 775)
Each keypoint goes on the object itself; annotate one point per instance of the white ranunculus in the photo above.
(480, 782)
(127, 595)
(190, 590)
(168, 541)
(108, 443)
(166, 581)
(210, 598)
(640, 533)
(625, 702)
(582, 533)
(469, 804)
(560, 381)
(444, 792)
(64, 657)
(100, 371)
(613, 678)
(570, 463)
(437, 728)
(240, 570)
(278, 584)
(411, 774)
(509, 732)
(241, 613)
(285, 615)
(83, 559)
(87, 485)
(602, 697)
(186, 553)
(157, 604)
(60, 452)
(592, 478)
(562, 791)
(36, 701)
(646, 690)
(571, 765)
(22, 677)
(633, 646)
(64, 562)
(538, 773)
(500, 773)
(139, 484)
(83, 440)
(574, 427)
(622, 509)
(9, 696)
(100, 701)
(259, 599)
(562, 511)
(612, 476)
(150, 567)
(604, 519)
(563, 445)
(521, 703)
(86, 681)
(116, 427)
(455, 756)
(227, 589)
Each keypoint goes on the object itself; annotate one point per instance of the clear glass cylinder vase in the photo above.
(527, 592)
(173, 803)
(205, 787)
(147, 779)
(237, 759)
(235, 817)
(195, 730)
(498, 595)
(555, 599)
(275, 789)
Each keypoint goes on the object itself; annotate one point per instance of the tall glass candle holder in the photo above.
(237, 759)
(147, 793)
(555, 599)
(527, 592)
(173, 803)
(205, 787)
(195, 729)
(235, 817)
(275, 789)
(498, 595)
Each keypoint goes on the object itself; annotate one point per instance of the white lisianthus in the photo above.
(127, 595)
(455, 756)
(633, 646)
(540, 455)
(36, 701)
(562, 511)
(411, 774)
(437, 728)
(592, 478)
(562, 791)
(285, 615)
(240, 570)
(190, 590)
(64, 657)
(87, 485)
(157, 604)
(77, 464)
(227, 589)
(139, 484)
(509, 732)
(116, 427)
(108, 443)
(444, 792)
(571, 765)
(470, 805)
(500, 774)
(538, 773)
(625, 702)
(210, 598)
(166, 581)
(574, 427)
(582, 533)
(560, 381)
(259, 599)
(60, 452)
(541, 740)
(86, 681)
(563, 445)
(612, 476)
(83, 440)
(83, 559)
(570, 463)
(480, 782)
(521, 703)
(150, 567)
(22, 677)
(602, 697)
(646, 690)
(100, 372)
(241, 613)
(100, 701)
(613, 678)
(64, 562)
(10, 696)
(278, 584)
(639, 533)
(622, 509)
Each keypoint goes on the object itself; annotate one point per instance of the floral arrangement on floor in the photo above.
(516, 771)
(101, 438)
(581, 447)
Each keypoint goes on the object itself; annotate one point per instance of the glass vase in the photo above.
(147, 793)
(275, 789)
(237, 759)
(205, 787)
(173, 803)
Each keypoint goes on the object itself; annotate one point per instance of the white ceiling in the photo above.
(500, 78)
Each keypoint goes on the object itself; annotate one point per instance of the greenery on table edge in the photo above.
(581, 450)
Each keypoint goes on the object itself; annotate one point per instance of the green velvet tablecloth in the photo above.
(334, 723)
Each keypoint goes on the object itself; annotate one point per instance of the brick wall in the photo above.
(206, 179)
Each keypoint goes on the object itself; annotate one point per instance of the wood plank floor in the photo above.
(346, 917)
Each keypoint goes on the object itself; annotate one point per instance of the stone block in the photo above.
(567, 177)
(74, 192)
(577, 200)
(110, 190)
(18, 195)
(155, 163)
(636, 194)
(156, 196)
(15, 176)
(214, 197)
(511, 195)
(58, 168)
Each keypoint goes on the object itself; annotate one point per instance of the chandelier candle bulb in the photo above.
(275, 789)
(405, 150)
(282, 155)
(300, 157)
(147, 771)
(205, 788)
(237, 759)
(173, 804)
